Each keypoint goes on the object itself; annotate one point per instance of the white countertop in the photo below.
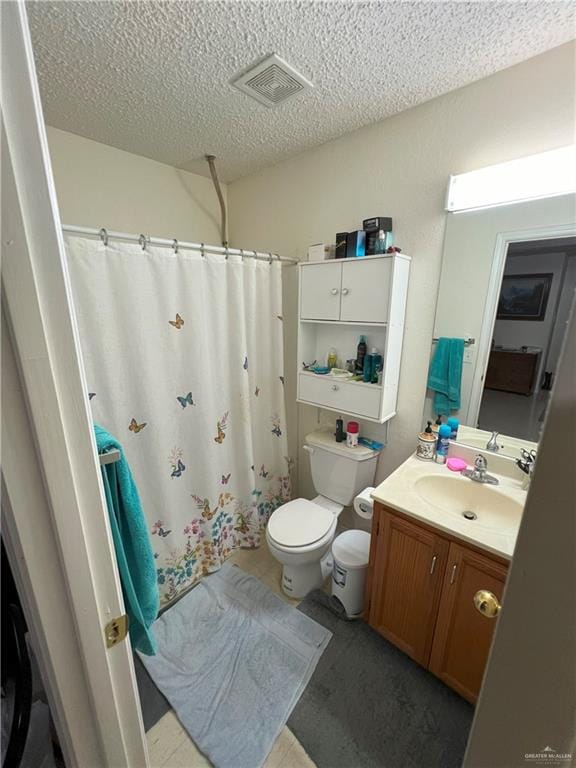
(399, 492)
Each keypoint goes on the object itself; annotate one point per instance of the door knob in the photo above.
(345, 291)
(334, 291)
(487, 603)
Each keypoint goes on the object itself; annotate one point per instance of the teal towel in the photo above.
(445, 375)
(132, 543)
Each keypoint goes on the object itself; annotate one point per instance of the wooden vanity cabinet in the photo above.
(463, 635)
(408, 574)
(420, 596)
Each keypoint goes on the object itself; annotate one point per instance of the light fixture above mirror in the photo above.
(528, 178)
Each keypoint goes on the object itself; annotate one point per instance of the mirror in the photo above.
(507, 285)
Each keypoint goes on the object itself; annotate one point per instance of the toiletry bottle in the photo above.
(453, 423)
(426, 447)
(339, 434)
(376, 365)
(352, 430)
(368, 365)
(442, 444)
(381, 242)
(437, 424)
(332, 359)
(361, 354)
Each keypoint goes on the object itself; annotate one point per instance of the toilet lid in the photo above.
(299, 522)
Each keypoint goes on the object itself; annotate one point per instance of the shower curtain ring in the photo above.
(227, 254)
(242, 253)
(270, 259)
(202, 250)
(142, 241)
(175, 245)
(103, 236)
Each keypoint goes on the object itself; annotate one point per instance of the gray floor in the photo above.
(418, 721)
(515, 415)
(369, 706)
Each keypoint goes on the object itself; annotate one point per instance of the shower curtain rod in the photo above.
(144, 241)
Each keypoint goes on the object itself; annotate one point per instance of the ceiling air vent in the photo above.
(271, 81)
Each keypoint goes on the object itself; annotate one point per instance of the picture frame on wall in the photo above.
(524, 297)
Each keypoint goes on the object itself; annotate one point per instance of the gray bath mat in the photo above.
(368, 705)
(233, 661)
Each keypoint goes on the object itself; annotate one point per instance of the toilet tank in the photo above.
(339, 472)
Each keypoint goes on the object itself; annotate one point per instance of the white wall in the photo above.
(564, 305)
(399, 167)
(100, 186)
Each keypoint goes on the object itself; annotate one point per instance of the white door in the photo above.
(320, 291)
(69, 504)
(366, 290)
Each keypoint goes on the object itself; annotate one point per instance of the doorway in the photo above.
(536, 293)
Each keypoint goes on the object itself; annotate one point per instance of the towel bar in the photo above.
(467, 341)
(109, 457)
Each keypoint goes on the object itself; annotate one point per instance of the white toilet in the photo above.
(300, 533)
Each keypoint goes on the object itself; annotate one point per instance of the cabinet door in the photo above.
(409, 564)
(366, 289)
(320, 286)
(463, 635)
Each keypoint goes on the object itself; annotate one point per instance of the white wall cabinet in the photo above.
(339, 301)
(354, 290)
(365, 290)
(320, 291)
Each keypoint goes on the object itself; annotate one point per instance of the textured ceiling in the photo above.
(153, 77)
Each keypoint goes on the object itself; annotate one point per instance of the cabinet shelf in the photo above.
(339, 300)
(359, 323)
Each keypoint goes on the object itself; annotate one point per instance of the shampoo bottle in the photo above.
(361, 354)
(444, 433)
(376, 364)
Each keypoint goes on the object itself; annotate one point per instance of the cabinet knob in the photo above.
(345, 291)
(335, 387)
(334, 291)
(487, 603)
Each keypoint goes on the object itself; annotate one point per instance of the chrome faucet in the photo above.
(492, 444)
(527, 464)
(480, 472)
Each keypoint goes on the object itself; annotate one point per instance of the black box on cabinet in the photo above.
(378, 223)
(340, 250)
(356, 244)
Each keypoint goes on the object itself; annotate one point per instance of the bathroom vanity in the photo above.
(339, 300)
(439, 556)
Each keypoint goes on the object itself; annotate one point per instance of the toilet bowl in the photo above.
(300, 532)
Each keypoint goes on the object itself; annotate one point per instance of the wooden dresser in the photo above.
(512, 371)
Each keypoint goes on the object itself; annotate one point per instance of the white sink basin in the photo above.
(481, 505)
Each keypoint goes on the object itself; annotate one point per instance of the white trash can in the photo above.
(351, 552)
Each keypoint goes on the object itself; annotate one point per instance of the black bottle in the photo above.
(361, 354)
(339, 434)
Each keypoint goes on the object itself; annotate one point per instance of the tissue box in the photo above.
(320, 252)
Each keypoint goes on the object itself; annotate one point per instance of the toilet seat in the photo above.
(300, 523)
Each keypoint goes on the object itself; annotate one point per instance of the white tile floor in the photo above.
(168, 743)
(514, 415)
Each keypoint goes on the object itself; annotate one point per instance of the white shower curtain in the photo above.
(184, 362)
